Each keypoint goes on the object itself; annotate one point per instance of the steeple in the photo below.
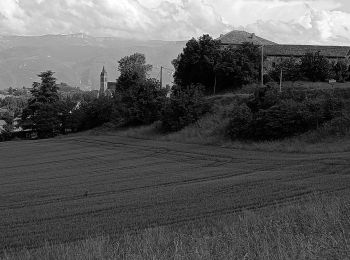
(103, 71)
(103, 82)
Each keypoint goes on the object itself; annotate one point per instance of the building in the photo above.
(236, 38)
(2, 125)
(107, 89)
(275, 53)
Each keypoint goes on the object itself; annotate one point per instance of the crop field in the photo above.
(75, 187)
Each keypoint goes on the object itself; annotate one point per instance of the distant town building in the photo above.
(106, 88)
(276, 53)
(17, 125)
(2, 125)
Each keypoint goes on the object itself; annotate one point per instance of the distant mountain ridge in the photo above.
(77, 59)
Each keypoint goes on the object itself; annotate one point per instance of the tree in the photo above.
(90, 114)
(138, 99)
(140, 104)
(290, 68)
(205, 61)
(42, 113)
(14, 104)
(340, 70)
(10, 91)
(197, 63)
(315, 67)
(239, 66)
(133, 69)
(185, 106)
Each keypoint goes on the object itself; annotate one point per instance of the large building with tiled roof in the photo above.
(275, 53)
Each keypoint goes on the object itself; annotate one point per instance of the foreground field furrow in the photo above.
(69, 188)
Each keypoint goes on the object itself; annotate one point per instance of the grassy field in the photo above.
(71, 188)
(316, 228)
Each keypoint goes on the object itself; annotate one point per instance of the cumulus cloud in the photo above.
(315, 26)
(284, 21)
(173, 19)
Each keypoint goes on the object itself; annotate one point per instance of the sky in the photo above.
(282, 21)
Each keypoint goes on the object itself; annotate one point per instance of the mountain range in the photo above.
(77, 59)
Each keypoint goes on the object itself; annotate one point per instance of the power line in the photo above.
(165, 68)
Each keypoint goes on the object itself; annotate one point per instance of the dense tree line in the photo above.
(204, 67)
(313, 67)
(270, 114)
(137, 100)
(205, 61)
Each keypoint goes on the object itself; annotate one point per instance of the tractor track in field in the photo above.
(61, 189)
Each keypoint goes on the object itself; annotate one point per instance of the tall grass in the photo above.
(318, 228)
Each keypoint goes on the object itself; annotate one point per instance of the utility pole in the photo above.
(281, 80)
(262, 65)
(161, 76)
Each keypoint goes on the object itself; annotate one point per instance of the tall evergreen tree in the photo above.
(42, 114)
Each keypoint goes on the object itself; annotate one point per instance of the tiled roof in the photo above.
(300, 50)
(239, 37)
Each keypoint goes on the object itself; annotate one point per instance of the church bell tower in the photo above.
(103, 82)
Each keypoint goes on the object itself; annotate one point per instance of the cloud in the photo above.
(314, 27)
(173, 19)
(285, 21)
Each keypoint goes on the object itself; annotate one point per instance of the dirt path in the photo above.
(76, 187)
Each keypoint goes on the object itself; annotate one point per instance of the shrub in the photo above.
(240, 122)
(185, 106)
(338, 125)
(280, 121)
(273, 115)
(290, 68)
(90, 114)
(315, 67)
(340, 71)
(140, 104)
(264, 97)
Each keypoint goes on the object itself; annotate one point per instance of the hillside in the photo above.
(77, 59)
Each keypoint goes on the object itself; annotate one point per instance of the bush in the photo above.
(264, 97)
(240, 122)
(338, 125)
(340, 71)
(272, 115)
(185, 106)
(280, 121)
(290, 68)
(315, 67)
(140, 104)
(90, 114)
